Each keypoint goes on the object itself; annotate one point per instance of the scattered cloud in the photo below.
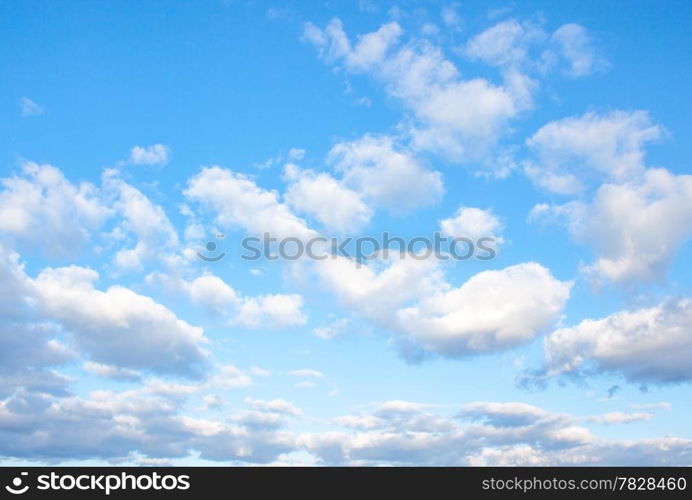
(574, 148)
(636, 228)
(29, 107)
(158, 154)
(649, 345)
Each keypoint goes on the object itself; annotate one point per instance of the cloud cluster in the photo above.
(116, 327)
(575, 148)
(649, 345)
(493, 310)
(43, 211)
(635, 227)
(142, 426)
(459, 118)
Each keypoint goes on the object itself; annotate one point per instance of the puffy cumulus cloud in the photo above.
(158, 154)
(636, 228)
(155, 234)
(118, 326)
(239, 203)
(473, 223)
(338, 208)
(376, 290)
(493, 310)
(575, 148)
(650, 345)
(211, 292)
(459, 118)
(208, 290)
(218, 297)
(44, 212)
(385, 175)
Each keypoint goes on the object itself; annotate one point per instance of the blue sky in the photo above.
(135, 132)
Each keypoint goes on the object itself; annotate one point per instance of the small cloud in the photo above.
(663, 405)
(213, 402)
(295, 154)
(307, 373)
(256, 371)
(618, 417)
(364, 101)
(332, 330)
(29, 107)
(158, 154)
(451, 17)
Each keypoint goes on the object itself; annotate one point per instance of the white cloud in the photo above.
(528, 47)
(460, 118)
(505, 44)
(110, 371)
(636, 228)
(274, 406)
(376, 290)
(338, 208)
(239, 203)
(29, 345)
(473, 223)
(216, 296)
(618, 417)
(574, 45)
(158, 154)
(663, 405)
(385, 175)
(272, 310)
(611, 146)
(450, 16)
(295, 154)
(369, 50)
(149, 424)
(29, 107)
(333, 329)
(45, 213)
(410, 297)
(156, 236)
(307, 373)
(505, 434)
(493, 310)
(118, 327)
(650, 345)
